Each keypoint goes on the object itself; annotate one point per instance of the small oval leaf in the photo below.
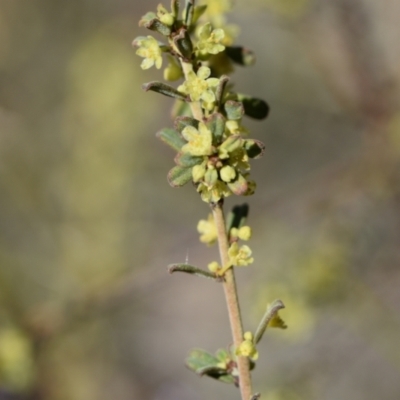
(187, 160)
(234, 109)
(253, 107)
(164, 89)
(157, 26)
(216, 124)
(238, 186)
(172, 138)
(254, 148)
(182, 122)
(240, 55)
(179, 176)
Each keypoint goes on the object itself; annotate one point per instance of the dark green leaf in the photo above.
(237, 217)
(240, 55)
(254, 108)
(164, 89)
(188, 12)
(179, 176)
(254, 148)
(172, 138)
(184, 44)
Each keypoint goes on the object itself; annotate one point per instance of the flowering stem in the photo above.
(232, 302)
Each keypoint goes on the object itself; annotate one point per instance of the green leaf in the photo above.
(156, 25)
(184, 44)
(219, 93)
(254, 148)
(187, 160)
(240, 55)
(180, 108)
(253, 107)
(198, 12)
(216, 124)
(164, 89)
(232, 143)
(147, 18)
(188, 12)
(233, 109)
(271, 318)
(172, 138)
(237, 217)
(204, 363)
(175, 8)
(238, 186)
(190, 269)
(181, 123)
(179, 176)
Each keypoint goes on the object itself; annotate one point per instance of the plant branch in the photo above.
(232, 302)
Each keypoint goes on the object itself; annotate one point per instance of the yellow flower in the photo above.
(247, 347)
(207, 230)
(199, 87)
(243, 233)
(214, 267)
(173, 71)
(164, 16)
(240, 256)
(150, 50)
(227, 173)
(215, 193)
(209, 40)
(199, 140)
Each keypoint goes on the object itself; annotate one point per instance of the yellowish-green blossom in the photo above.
(209, 40)
(240, 256)
(247, 347)
(199, 140)
(234, 127)
(198, 172)
(150, 50)
(164, 16)
(200, 86)
(243, 233)
(214, 267)
(277, 322)
(207, 230)
(173, 71)
(215, 193)
(227, 173)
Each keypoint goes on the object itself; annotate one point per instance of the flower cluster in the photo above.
(213, 150)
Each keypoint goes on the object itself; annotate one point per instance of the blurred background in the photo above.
(88, 222)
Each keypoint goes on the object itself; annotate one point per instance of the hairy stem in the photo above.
(229, 284)
(232, 302)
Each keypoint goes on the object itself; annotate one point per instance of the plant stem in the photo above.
(229, 283)
(232, 302)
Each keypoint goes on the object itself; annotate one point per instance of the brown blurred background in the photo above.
(88, 222)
